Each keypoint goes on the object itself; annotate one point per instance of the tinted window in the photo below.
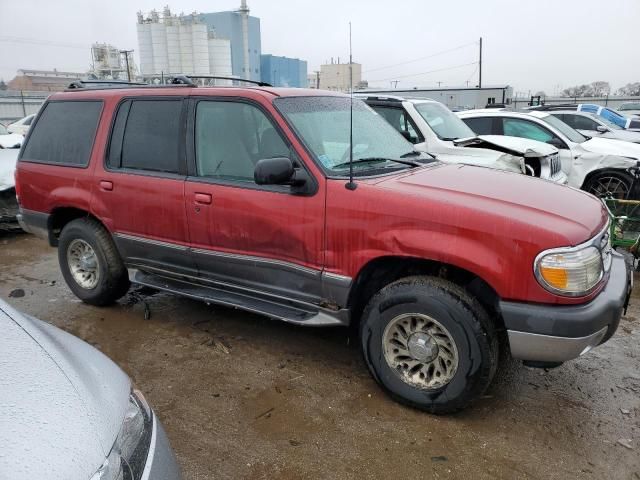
(399, 120)
(480, 125)
(515, 127)
(230, 139)
(64, 133)
(151, 138)
(579, 122)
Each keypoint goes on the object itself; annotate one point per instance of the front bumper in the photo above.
(161, 461)
(557, 333)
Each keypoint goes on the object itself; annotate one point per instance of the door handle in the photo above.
(203, 198)
(106, 185)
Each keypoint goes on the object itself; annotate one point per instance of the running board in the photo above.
(287, 311)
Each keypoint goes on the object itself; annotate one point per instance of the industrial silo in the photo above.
(145, 48)
(186, 48)
(200, 49)
(159, 43)
(220, 57)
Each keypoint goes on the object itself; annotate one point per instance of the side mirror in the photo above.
(602, 129)
(556, 142)
(279, 171)
(274, 171)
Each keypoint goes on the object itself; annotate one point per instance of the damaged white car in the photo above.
(8, 202)
(597, 165)
(434, 129)
(9, 140)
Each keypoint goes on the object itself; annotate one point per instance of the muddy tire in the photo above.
(429, 344)
(614, 183)
(90, 262)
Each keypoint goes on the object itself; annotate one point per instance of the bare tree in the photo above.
(3, 86)
(577, 91)
(540, 93)
(630, 89)
(600, 89)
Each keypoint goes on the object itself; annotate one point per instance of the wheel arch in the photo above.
(381, 271)
(61, 216)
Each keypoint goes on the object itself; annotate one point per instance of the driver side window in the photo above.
(516, 127)
(230, 138)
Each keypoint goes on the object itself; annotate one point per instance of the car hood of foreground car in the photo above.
(502, 199)
(62, 402)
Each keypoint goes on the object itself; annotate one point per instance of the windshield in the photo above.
(573, 135)
(323, 125)
(629, 106)
(607, 122)
(445, 124)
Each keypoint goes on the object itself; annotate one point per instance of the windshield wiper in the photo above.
(412, 153)
(377, 159)
(449, 139)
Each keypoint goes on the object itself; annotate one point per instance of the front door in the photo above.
(264, 238)
(139, 191)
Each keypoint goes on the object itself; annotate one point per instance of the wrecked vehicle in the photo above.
(8, 202)
(70, 413)
(9, 140)
(627, 123)
(308, 207)
(433, 128)
(596, 165)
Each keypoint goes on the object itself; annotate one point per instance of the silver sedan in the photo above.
(68, 412)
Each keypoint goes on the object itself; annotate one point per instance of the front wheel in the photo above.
(90, 263)
(610, 184)
(429, 344)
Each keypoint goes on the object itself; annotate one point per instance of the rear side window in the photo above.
(515, 127)
(146, 136)
(64, 133)
(480, 125)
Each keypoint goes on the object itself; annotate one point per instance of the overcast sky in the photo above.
(540, 45)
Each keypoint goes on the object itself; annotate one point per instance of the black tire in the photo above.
(113, 280)
(470, 329)
(596, 183)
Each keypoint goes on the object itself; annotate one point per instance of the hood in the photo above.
(11, 140)
(520, 146)
(627, 135)
(8, 159)
(503, 199)
(63, 402)
(609, 146)
(468, 155)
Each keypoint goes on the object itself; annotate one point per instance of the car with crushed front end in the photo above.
(307, 207)
(69, 413)
(434, 129)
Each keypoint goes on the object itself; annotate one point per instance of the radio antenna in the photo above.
(351, 185)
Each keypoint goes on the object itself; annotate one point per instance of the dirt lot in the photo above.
(245, 397)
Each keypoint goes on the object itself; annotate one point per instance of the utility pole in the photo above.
(439, 83)
(480, 66)
(126, 59)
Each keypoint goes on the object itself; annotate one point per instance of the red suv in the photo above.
(241, 196)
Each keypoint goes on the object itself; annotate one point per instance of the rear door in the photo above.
(265, 238)
(139, 190)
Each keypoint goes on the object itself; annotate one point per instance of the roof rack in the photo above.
(378, 97)
(557, 106)
(101, 83)
(189, 80)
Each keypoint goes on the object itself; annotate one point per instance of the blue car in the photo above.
(604, 112)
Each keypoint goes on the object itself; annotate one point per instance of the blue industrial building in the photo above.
(283, 71)
(229, 25)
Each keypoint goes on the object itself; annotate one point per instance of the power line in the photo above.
(34, 41)
(423, 73)
(421, 58)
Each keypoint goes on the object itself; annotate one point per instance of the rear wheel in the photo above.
(610, 184)
(429, 344)
(90, 262)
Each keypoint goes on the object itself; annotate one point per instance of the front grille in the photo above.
(555, 165)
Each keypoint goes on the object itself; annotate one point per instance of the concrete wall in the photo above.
(335, 76)
(15, 104)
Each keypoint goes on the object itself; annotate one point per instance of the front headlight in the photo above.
(128, 455)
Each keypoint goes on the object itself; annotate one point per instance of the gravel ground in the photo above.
(243, 397)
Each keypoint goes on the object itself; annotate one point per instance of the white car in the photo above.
(597, 165)
(630, 109)
(21, 126)
(596, 126)
(434, 129)
(9, 140)
(8, 201)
